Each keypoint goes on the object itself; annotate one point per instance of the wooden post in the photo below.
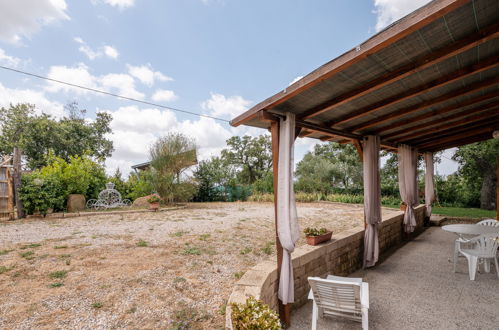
(10, 194)
(17, 182)
(497, 189)
(284, 310)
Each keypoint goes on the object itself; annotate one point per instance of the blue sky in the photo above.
(217, 57)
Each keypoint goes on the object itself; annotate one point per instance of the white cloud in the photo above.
(295, 80)
(388, 11)
(121, 4)
(43, 105)
(7, 60)
(221, 106)
(92, 54)
(146, 74)
(164, 95)
(80, 75)
(21, 18)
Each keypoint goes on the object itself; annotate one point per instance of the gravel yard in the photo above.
(144, 270)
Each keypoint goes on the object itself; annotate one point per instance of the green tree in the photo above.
(328, 167)
(252, 157)
(213, 177)
(36, 135)
(477, 165)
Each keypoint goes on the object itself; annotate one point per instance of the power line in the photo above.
(112, 94)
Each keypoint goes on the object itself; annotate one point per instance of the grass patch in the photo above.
(97, 305)
(30, 246)
(179, 279)
(64, 256)
(58, 274)
(142, 243)
(191, 250)
(28, 255)
(268, 248)
(179, 233)
(4, 252)
(131, 310)
(246, 250)
(5, 269)
(238, 275)
(204, 237)
(56, 285)
(60, 247)
(464, 212)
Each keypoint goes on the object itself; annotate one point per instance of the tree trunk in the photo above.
(17, 182)
(488, 191)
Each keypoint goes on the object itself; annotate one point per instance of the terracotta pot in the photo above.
(154, 206)
(403, 207)
(314, 240)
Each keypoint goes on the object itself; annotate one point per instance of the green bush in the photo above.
(40, 193)
(254, 315)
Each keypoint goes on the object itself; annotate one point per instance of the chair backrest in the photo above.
(486, 244)
(336, 296)
(489, 222)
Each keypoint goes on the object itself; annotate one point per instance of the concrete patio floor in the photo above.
(415, 288)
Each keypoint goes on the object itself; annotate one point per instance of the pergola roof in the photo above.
(430, 80)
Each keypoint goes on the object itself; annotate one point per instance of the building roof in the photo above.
(430, 80)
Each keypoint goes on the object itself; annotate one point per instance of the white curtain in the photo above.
(429, 183)
(372, 199)
(408, 164)
(287, 224)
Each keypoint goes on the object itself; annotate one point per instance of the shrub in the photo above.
(254, 314)
(314, 231)
(154, 199)
(39, 193)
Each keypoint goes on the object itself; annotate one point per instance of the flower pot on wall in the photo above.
(403, 207)
(314, 240)
(154, 206)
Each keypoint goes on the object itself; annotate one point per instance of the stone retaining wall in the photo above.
(340, 256)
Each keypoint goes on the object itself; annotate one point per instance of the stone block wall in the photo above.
(340, 256)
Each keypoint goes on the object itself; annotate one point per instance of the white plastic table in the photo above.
(470, 229)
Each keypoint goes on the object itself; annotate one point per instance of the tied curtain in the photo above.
(287, 222)
(372, 199)
(429, 183)
(408, 163)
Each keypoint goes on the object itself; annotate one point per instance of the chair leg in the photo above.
(315, 316)
(456, 254)
(472, 265)
(486, 266)
(365, 325)
(497, 266)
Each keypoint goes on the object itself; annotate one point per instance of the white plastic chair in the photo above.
(484, 248)
(339, 296)
(465, 240)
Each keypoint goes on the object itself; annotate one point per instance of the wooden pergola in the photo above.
(429, 80)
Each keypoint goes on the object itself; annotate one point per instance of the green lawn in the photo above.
(458, 212)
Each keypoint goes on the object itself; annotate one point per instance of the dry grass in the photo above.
(146, 270)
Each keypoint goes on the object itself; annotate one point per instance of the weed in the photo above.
(246, 250)
(238, 275)
(76, 232)
(4, 252)
(56, 285)
(209, 262)
(132, 310)
(191, 251)
(58, 274)
(68, 262)
(97, 305)
(28, 255)
(204, 237)
(179, 233)
(142, 243)
(184, 318)
(94, 236)
(222, 309)
(30, 246)
(179, 279)
(267, 249)
(64, 256)
(5, 269)
(60, 247)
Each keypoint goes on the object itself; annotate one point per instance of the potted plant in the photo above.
(253, 314)
(316, 236)
(403, 206)
(153, 201)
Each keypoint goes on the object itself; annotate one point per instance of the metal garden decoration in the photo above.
(108, 198)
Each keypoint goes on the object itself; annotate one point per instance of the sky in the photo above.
(213, 57)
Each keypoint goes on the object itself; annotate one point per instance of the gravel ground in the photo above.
(144, 270)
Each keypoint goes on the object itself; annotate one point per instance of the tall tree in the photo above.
(37, 135)
(477, 164)
(251, 155)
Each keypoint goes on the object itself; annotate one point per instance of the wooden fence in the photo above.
(6, 190)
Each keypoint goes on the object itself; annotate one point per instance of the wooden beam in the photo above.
(406, 132)
(399, 125)
(326, 130)
(456, 137)
(425, 104)
(487, 123)
(404, 27)
(497, 188)
(416, 65)
(456, 124)
(484, 65)
(284, 312)
(358, 145)
(460, 142)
